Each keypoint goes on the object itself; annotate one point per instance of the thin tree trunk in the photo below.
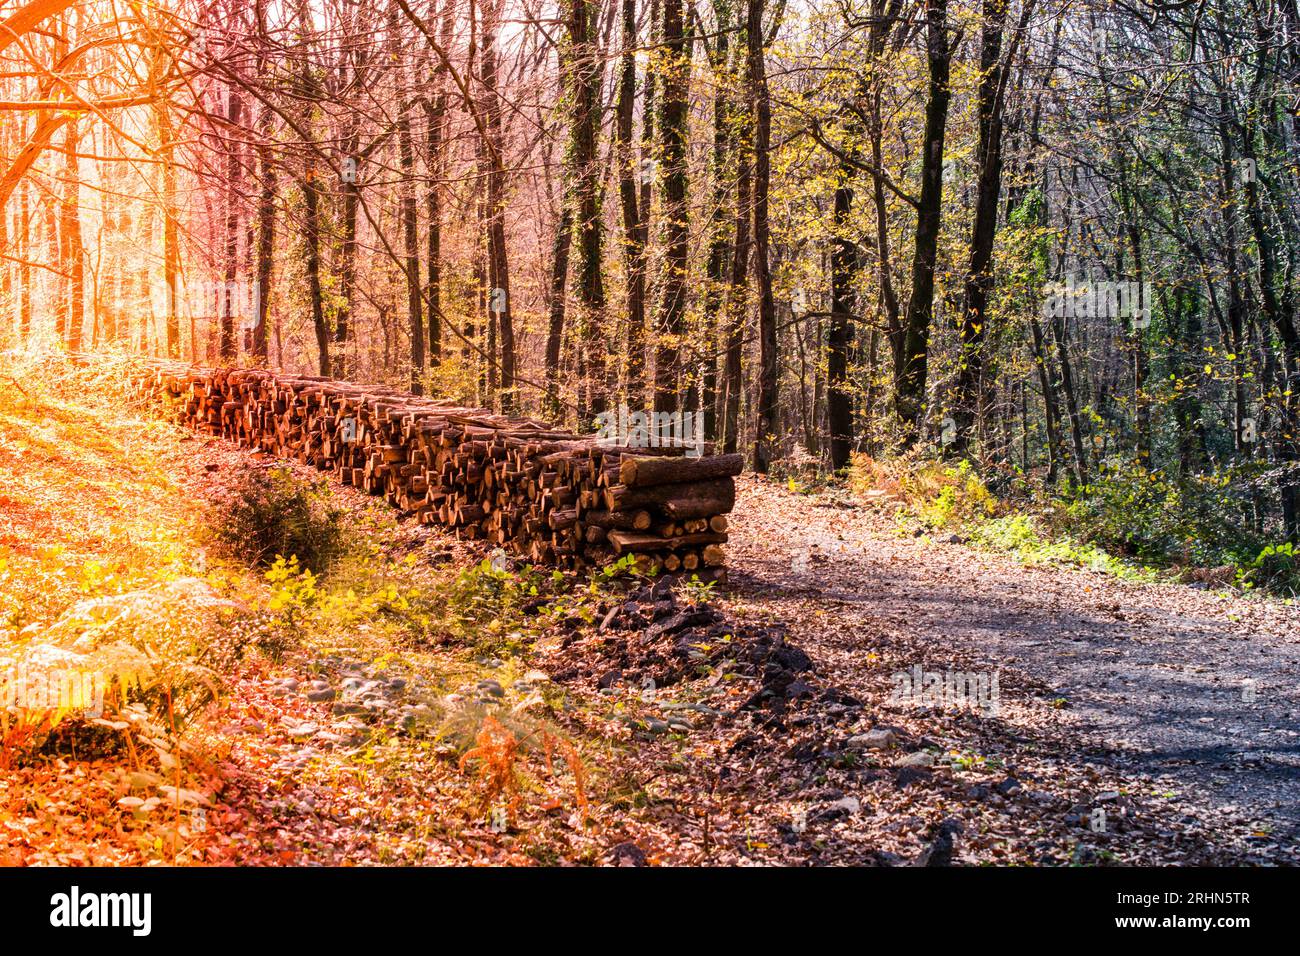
(228, 347)
(737, 299)
(311, 238)
(411, 250)
(912, 350)
(979, 271)
(499, 305)
(555, 317)
(585, 95)
(766, 441)
(74, 263)
(844, 267)
(634, 227)
(673, 133)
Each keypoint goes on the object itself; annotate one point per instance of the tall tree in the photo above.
(673, 133)
(912, 340)
(765, 437)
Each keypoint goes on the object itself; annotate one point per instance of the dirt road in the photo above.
(1198, 690)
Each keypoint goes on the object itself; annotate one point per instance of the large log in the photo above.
(623, 498)
(636, 471)
(625, 541)
(689, 508)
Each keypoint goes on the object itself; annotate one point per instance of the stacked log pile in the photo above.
(548, 496)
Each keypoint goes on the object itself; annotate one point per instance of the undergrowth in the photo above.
(1129, 521)
(114, 633)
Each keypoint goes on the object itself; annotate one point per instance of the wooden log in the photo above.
(637, 471)
(623, 498)
(687, 508)
(626, 541)
(625, 520)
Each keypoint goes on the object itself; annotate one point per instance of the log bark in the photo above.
(636, 472)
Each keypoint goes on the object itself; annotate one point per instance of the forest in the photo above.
(1057, 238)
(847, 351)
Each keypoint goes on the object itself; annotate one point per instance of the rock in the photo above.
(850, 804)
(405, 723)
(319, 694)
(143, 780)
(304, 731)
(492, 687)
(939, 852)
(922, 758)
(1008, 786)
(627, 854)
(655, 726)
(704, 709)
(906, 776)
(1108, 797)
(798, 689)
(873, 740)
(609, 679)
(691, 617)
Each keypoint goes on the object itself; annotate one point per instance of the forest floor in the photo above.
(1187, 700)
(660, 725)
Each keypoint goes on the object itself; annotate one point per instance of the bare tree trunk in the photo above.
(311, 238)
(265, 242)
(737, 299)
(555, 319)
(634, 227)
(912, 347)
(74, 263)
(171, 228)
(844, 267)
(766, 441)
(234, 111)
(973, 321)
(58, 282)
(673, 133)
(585, 95)
(499, 305)
(24, 270)
(411, 249)
(715, 295)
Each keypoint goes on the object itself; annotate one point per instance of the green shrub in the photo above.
(485, 606)
(1276, 567)
(1160, 518)
(268, 513)
(939, 494)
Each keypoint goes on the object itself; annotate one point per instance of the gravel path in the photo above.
(1194, 688)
